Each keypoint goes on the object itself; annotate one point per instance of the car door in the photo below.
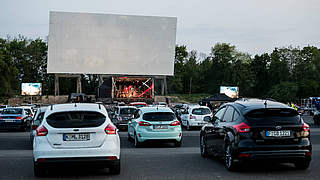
(184, 116)
(213, 136)
(133, 122)
(224, 127)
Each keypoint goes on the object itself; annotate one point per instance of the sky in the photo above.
(253, 26)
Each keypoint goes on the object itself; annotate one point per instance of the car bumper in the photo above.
(42, 149)
(163, 136)
(280, 156)
(197, 123)
(106, 161)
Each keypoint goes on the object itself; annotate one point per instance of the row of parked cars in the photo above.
(239, 132)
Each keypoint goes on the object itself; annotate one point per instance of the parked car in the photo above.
(76, 135)
(253, 129)
(122, 115)
(29, 110)
(15, 118)
(177, 109)
(195, 116)
(138, 104)
(155, 123)
(36, 121)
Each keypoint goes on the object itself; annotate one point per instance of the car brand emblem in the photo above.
(278, 127)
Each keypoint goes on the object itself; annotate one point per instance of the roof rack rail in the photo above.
(270, 99)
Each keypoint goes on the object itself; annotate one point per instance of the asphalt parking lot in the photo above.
(153, 161)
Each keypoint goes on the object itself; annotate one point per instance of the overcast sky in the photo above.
(253, 26)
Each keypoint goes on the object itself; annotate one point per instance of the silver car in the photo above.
(36, 121)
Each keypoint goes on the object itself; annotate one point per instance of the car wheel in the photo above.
(38, 171)
(178, 143)
(302, 165)
(228, 159)
(115, 169)
(203, 147)
(136, 142)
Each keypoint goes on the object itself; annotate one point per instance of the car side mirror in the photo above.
(214, 119)
(207, 119)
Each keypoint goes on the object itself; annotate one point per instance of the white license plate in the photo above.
(160, 126)
(76, 137)
(9, 120)
(277, 133)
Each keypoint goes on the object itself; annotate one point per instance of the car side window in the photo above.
(136, 114)
(219, 114)
(228, 116)
(236, 116)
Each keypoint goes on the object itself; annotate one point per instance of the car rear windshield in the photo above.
(273, 116)
(76, 119)
(127, 110)
(12, 111)
(159, 116)
(201, 111)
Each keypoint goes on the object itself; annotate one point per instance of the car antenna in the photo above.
(75, 104)
(51, 107)
(99, 106)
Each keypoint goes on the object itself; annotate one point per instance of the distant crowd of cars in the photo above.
(87, 133)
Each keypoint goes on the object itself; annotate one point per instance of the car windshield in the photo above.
(273, 116)
(159, 116)
(12, 111)
(127, 110)
(76, 119)
(201, 111)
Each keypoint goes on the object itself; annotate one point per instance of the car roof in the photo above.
(75, 107)
(155, 109)
(138, 103)
(122, 107)
(194, 107)
(246, 105)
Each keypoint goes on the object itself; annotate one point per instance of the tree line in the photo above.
(286, 74)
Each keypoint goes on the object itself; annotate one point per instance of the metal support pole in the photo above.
(79, 88)
(56, 85)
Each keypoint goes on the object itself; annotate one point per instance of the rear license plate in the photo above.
(277, 133)
(160, 126)
(201, 124)
(9, 120)
(76, 137)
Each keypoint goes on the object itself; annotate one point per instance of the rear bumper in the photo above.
(159, 136)
(88, 161)
(197, 123)
(11, 125)
(280, 156)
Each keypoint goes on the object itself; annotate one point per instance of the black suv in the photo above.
(255, 129)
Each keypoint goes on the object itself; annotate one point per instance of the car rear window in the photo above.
(273, 116)
(76, 119)
(127, 110)
(201, 111)
(158, 116)
(12, 111)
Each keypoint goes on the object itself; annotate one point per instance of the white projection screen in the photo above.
(87, 43)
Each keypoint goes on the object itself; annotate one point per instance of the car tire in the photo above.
(38, 170)
(228, 159)
(115, 169)
(136, 142)
(178, 143)
(203, 147)
(302, 165)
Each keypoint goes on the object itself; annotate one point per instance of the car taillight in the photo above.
(142, 123)
(242, 127)
(42, 131)
(110, 129)
(306, 127)
(175, 123)
(192, 117)
(18, 117)
(34, 127)
(1, 118)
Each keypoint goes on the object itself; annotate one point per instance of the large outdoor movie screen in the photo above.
(87, 43)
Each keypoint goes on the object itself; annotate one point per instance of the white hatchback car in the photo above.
(76, 134)
(196, 116)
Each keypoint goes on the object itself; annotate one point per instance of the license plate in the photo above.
(277, 133)
(201, 124)
(9, 120)
(160, 126)
(76, 137)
